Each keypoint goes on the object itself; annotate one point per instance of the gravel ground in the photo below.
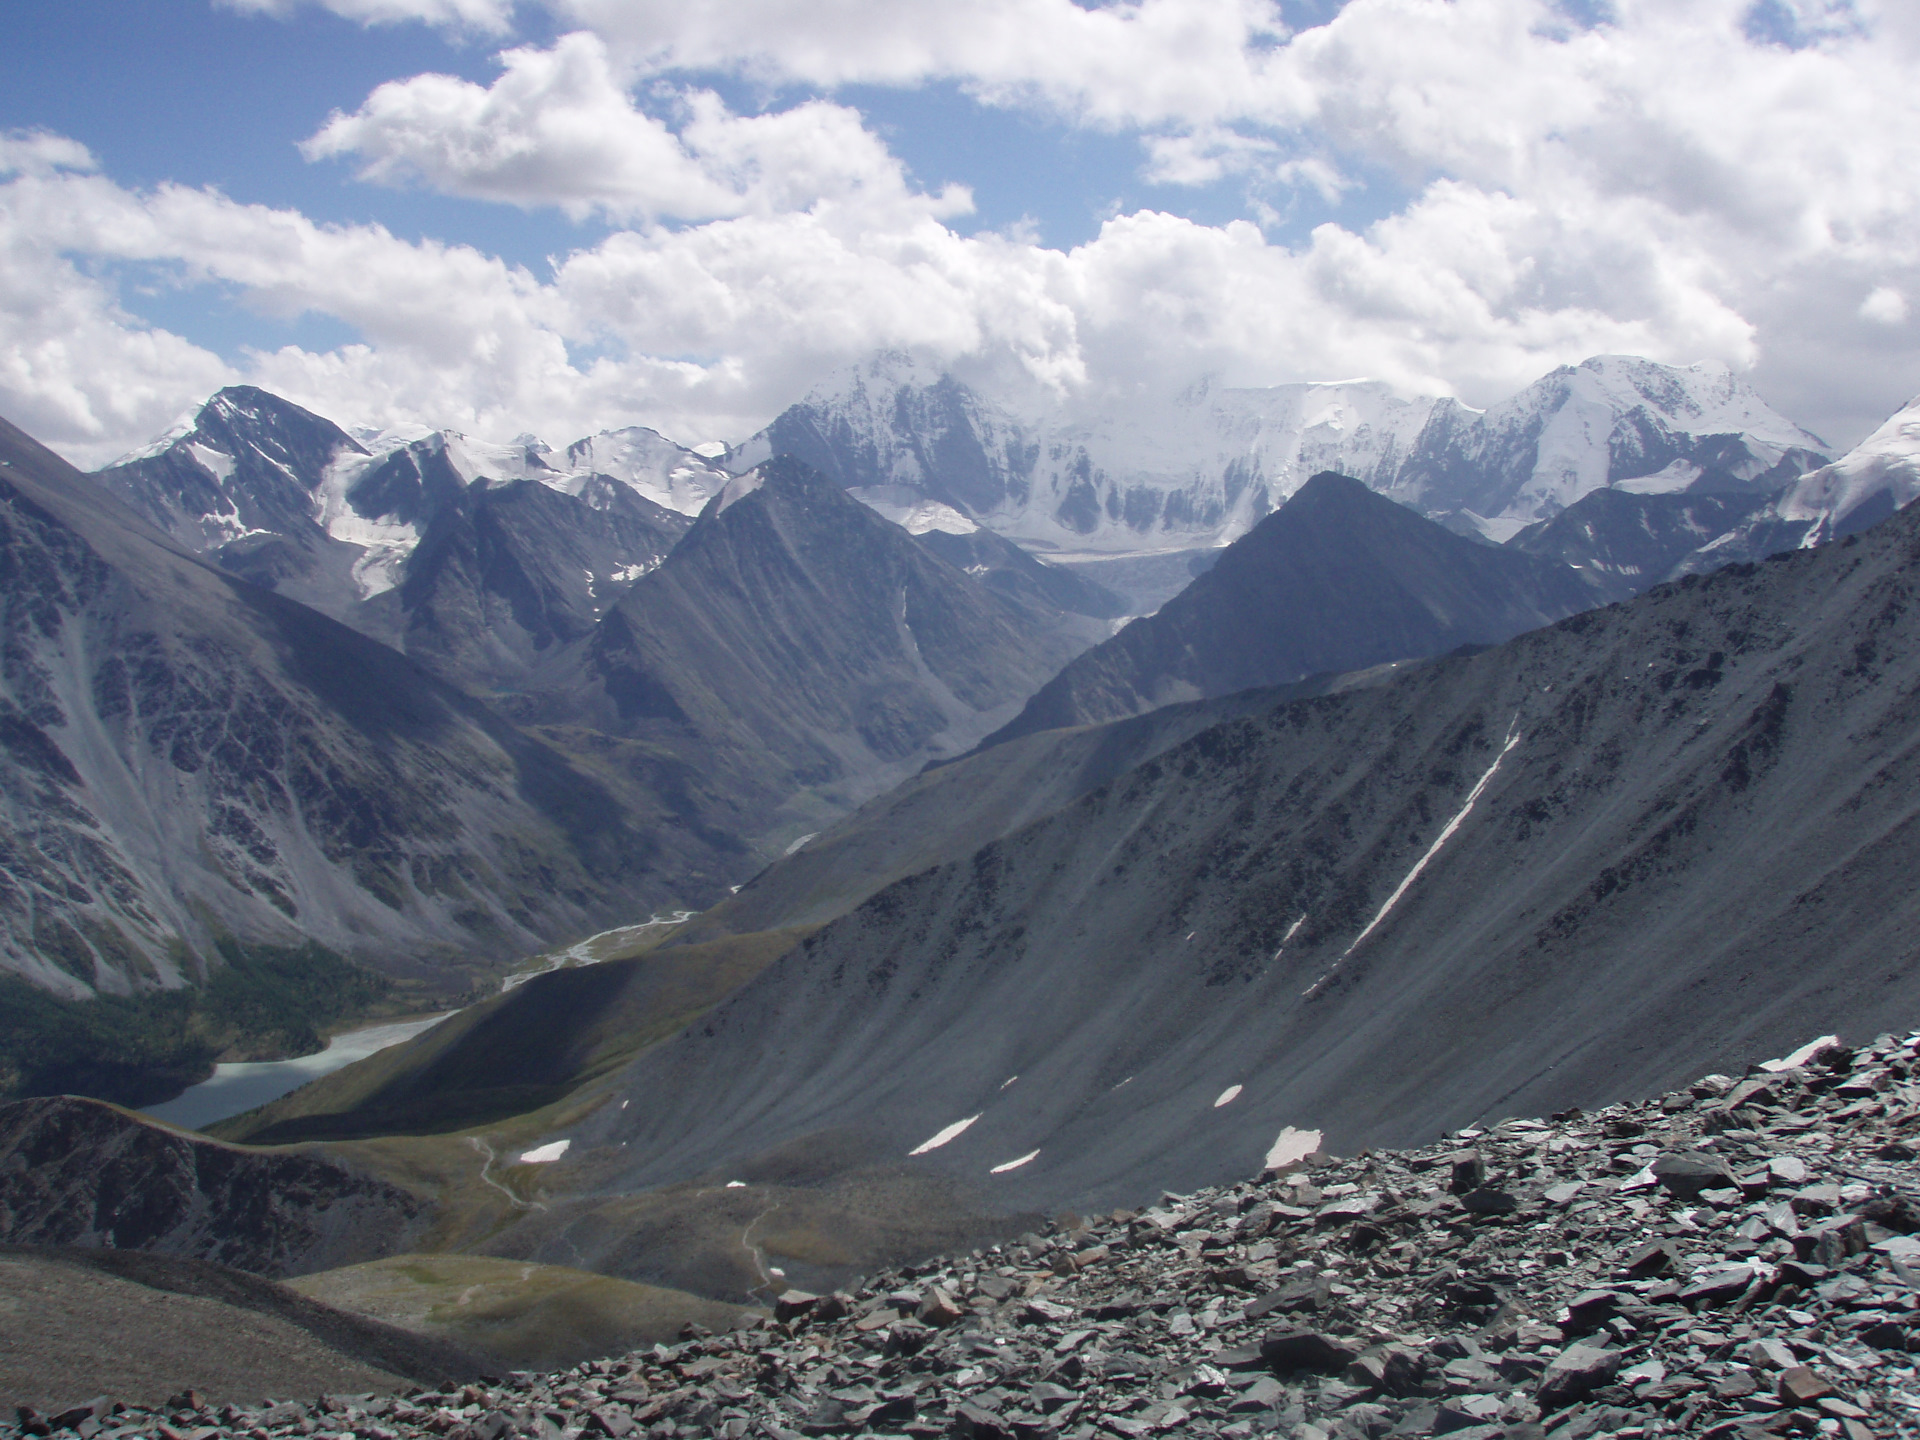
(1737, 1260)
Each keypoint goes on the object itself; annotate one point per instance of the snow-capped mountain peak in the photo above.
(1878, 476)
(650, 464)
(1199, 467)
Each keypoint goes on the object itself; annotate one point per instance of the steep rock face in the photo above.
(1621, 543)
(518, 548)
(1662, 837)
(81, 1173)
(1205, 466)
(510, 571)
(1339, 579)
(187, 757)
(806, 652)
(249, 462)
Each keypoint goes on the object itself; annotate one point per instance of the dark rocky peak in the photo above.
(807, 649)
(892, 421)
(506, 571)
(1620, 542)
(243, 418)
(409, 486)
(1338, 579)
(806, 518)
(250, 462)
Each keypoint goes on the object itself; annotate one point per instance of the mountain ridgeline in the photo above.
(803, 653)
(1201, 468)
(195, 768)
(1338, 579)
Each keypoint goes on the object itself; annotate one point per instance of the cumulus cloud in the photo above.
(1691, 179)
(485, 17)
(1885, 306)
(1444, 295)
(558, 128)
(1112, 64)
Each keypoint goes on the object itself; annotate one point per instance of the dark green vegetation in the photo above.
(259, 1001)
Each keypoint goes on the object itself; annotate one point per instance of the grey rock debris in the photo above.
(1782, 1297)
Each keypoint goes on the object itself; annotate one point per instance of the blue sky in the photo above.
(622, 210)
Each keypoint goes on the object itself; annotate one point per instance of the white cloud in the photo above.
(558, 128)
(486, 17)
(36, 152)
(1151, 60)
(1677, 182)
(1447, 293)
(1884, 306)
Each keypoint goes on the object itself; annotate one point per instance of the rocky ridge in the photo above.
(1735, 1260)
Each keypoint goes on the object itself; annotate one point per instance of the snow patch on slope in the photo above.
(647, 462)
(913, 513)
(942, 1137)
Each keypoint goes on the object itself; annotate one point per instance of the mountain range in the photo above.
(1083, 964)
(197, 770)
(727, 682)
(1081, 802)
(1201, 468)
(1561, 871)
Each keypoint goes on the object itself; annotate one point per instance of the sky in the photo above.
(560, 216)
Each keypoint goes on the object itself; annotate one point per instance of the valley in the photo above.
(923, 824)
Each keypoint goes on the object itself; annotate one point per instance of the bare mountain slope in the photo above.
(187, 760)
(804, 654)
(1622, 543)
(1338, 579)
(508, 572)
(1663, 836)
